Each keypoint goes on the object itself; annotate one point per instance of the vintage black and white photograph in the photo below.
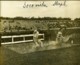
(40, 32)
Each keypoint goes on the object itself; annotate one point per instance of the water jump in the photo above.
(60, 38)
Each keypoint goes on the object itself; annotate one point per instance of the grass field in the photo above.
(60, 56)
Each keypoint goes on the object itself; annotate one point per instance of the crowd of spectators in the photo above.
(44, 23)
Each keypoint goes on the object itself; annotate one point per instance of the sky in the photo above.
(15, 9)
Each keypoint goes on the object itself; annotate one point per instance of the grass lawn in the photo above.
(62, 56)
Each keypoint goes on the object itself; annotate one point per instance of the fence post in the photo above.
(0, 39)
(23, 38)
(12, 39)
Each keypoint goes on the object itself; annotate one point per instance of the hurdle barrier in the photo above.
(12, 37)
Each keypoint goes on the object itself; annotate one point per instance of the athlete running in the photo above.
(36, 39)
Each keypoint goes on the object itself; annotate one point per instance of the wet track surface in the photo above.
(59, 56)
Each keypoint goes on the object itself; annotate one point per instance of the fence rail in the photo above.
(20, 41)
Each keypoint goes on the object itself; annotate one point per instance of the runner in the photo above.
(36, 39)
(60, 38)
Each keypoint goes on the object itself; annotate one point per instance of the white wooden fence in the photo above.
(23, 36)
